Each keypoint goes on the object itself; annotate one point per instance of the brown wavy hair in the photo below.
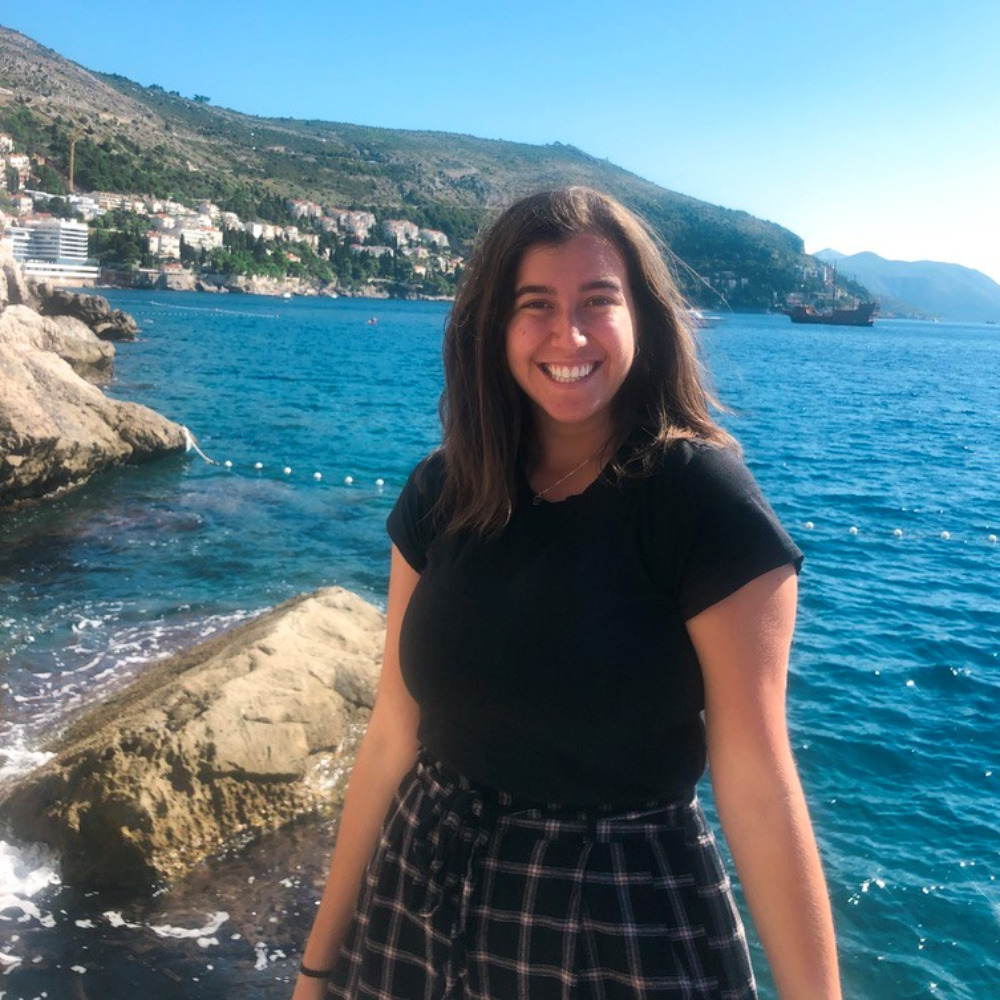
(487, 419)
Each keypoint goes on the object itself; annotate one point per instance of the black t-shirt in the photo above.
(554, 662)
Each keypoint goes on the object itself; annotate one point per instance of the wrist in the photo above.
(310, 973)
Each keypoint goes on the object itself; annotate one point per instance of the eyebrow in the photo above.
(611, 284)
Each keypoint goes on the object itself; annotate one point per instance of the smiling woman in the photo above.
(582, 570)
(570, 346)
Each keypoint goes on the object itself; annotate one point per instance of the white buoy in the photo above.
(380, 483)
(348, 480)
(258, 466)
(317, 476)
(897, 532)
(945, 535)
(228, 464)
(287, 470)
(853, 529)
(809, 526)
(992, 539)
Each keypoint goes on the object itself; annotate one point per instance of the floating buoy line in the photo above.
(898, 533)
(853, 530)
(287, 472)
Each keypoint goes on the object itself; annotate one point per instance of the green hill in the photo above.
(145, 140)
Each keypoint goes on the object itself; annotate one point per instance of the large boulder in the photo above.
(14, 290)
(25, 330)
(93, 310)
(240, 734)
(56, 428)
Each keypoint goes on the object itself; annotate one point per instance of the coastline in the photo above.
(177, 280)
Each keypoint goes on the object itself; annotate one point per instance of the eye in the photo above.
(602, 300)
(535, 304)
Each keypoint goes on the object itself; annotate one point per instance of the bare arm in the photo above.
(743, 644)
(387, 752)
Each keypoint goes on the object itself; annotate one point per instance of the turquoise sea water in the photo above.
(895, 684)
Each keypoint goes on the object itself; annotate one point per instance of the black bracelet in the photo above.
(304, 970)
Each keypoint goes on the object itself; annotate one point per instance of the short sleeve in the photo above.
(411, 523)
(725, 532)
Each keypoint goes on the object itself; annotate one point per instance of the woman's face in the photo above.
(571, 338)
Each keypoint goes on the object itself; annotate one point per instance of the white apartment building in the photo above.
(201, 237)
(358, 223)
(164, 245)
(53, 250)
(300, 208)
(401, 230)
(85, 205)
(434, 236)
(372, 251)
(19, 163)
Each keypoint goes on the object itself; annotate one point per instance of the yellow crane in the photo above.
(74, 135)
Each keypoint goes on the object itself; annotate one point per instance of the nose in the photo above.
(568, 327)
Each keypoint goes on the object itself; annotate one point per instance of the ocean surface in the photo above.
(877, 447)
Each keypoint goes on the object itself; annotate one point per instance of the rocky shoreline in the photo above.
(232, 738)
(57, 428)
(182, 280)
(219, 743)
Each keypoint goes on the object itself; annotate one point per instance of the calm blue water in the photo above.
(895, 684)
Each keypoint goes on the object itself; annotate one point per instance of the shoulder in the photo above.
(414, 521)
(692, 468)
(427, 477)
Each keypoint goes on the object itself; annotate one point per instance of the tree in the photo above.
(202, 99)
(187, 253)
(48, 180)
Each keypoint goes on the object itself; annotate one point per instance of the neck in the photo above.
(558, 449)
(567, 463)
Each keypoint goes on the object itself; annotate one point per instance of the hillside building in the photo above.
(435, 237)
(401, 231)
(53, 250)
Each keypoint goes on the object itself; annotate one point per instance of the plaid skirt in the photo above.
(470, 895)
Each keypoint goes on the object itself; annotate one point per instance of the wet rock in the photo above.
(240, 734)
(57, 429)
(23, 330)
(15, 290)
(93, 310)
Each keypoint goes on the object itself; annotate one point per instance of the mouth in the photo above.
(568, 374)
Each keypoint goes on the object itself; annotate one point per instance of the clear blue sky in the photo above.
(860, 125)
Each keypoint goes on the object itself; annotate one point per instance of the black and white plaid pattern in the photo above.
(471, 897)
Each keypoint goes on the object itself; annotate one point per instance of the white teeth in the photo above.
(568, 373)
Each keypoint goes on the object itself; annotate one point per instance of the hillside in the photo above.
(142, 139)
(945, 291)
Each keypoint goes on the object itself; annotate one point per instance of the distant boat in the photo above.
(862, 315)
(703, 320)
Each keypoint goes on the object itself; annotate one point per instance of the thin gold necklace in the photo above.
(539, 496)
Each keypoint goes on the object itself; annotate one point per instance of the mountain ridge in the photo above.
(932, 288)
(143, 139)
